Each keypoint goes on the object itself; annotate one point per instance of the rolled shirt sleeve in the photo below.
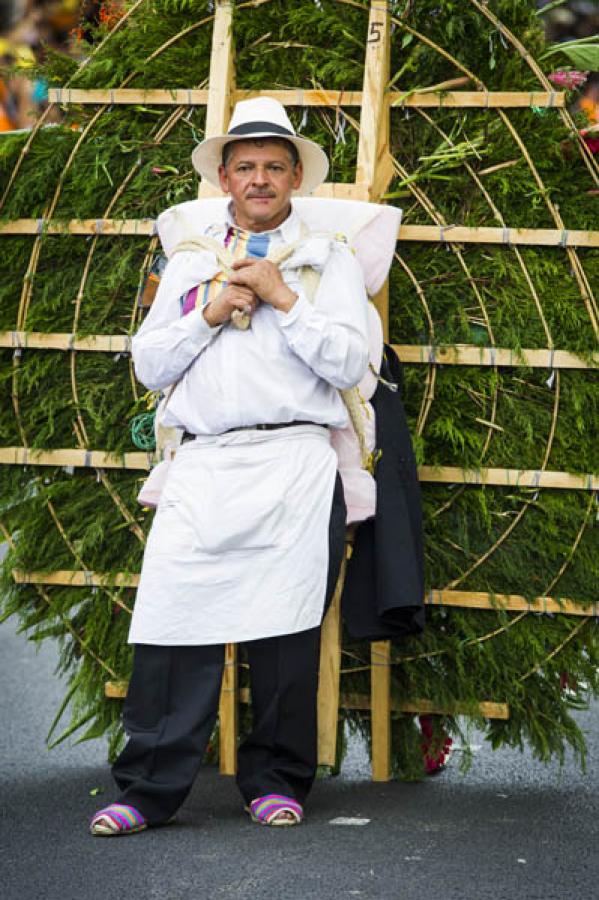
(331, 335)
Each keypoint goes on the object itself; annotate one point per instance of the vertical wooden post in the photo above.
(374, 171)
(373, 148)
(380, 709)
(222, 80)
(218, 113)
(229, 713)
(330, 669)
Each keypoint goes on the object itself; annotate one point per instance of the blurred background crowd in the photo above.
(31, 28)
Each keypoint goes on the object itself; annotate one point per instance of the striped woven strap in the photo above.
(265, 808)
(123, 817)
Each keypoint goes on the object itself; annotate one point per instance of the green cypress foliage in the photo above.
(477, 167)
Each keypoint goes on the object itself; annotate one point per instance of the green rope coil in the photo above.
(142, 431)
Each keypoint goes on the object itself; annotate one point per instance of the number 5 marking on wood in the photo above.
(375, 33)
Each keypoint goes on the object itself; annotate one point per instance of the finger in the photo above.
(244, 263)
(242, 290)
(243, 305)
(238, 292)
(241, 278)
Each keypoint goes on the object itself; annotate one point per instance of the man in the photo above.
(248, 536)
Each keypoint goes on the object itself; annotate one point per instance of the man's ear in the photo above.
(298, 176)
(223, 179)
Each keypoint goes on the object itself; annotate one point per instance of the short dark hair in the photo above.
(258, 142)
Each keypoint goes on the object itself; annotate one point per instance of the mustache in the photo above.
(260, 195)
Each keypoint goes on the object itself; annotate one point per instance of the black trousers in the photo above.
(172, 703)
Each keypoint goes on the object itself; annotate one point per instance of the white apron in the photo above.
(238, 549)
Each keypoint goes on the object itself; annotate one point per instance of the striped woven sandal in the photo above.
(118, 818)
(267, 810)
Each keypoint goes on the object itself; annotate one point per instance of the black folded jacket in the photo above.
(383, 595)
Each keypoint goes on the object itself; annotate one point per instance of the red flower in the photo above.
(434, 757)
(591, 138)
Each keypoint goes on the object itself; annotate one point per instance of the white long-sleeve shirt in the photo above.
(285, 367)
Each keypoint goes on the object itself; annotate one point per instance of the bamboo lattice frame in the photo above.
(371, 179)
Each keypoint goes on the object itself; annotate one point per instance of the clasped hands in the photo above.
(253, 281)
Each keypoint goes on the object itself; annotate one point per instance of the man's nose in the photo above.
(260, 175)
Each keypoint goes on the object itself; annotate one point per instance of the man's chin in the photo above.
(263, 215)
(263, 208)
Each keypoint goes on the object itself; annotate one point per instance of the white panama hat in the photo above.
(261, 117)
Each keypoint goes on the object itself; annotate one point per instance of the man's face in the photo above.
(260, 178)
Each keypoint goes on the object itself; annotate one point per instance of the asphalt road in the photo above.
(509, 829)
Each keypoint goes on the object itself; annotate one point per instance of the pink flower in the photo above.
(570, 79)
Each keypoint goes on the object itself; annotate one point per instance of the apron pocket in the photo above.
(241, 505)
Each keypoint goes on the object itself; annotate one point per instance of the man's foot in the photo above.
(275, 809)
(118, 818)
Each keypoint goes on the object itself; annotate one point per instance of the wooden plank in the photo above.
(374, 168)
(299, 97)
(218, 114)
(527, 237)
(228, 713)
(106, 227)
(40, 340)
(448, 234)
(487, 708)
(508, 478)
(514, 478)
(313, 97)
(342, 191)
(77, 578)
(420, 354)
(381, 302)
(129, 96)
(510, 603)
(117, 690)
(472, 355)
(373, 143)
(434, 597)
(380, 706)
(478, 99)
(99, 459)
(328, 681)
(221, 81)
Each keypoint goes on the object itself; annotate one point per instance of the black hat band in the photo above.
(257, 127)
